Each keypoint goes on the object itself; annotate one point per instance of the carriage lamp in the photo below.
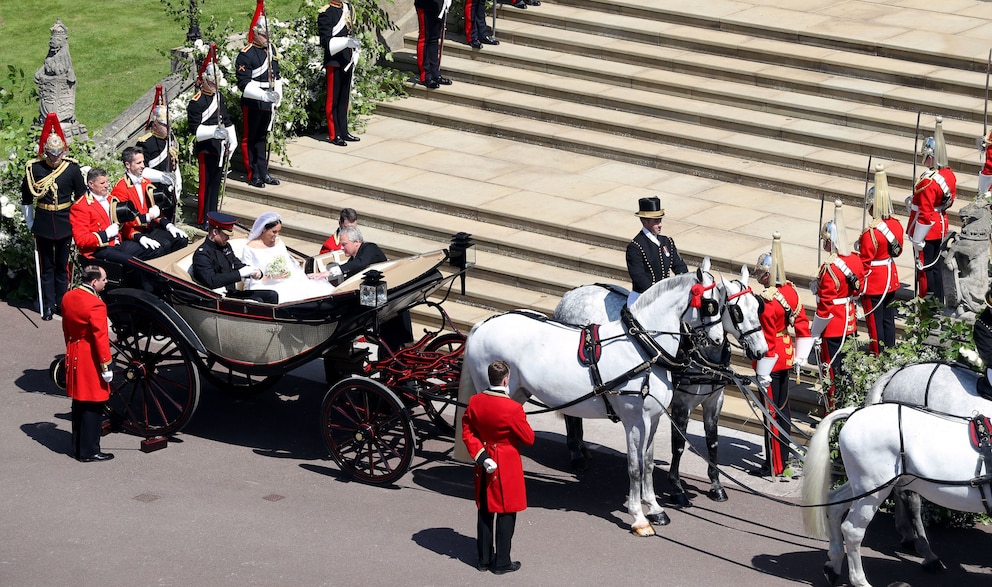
(372, 292)
(461, 254)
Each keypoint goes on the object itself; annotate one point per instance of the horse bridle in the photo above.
(736, 314)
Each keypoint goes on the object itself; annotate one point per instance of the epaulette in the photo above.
(246, 47)
(769, 293)
(196, 96)
(145, 137)
(336, 4)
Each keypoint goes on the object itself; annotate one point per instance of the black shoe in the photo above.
(270, 180)
(350, 137)
(514, 566)
(533, 2)
(339, 142)
(763, 471)
(483, 567)
(98, 457)
(257, 183)
(476, 44)
(489, 40)
(48, 313)
(443, 81)
(432, 84)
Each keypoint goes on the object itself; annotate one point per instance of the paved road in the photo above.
(249, 498)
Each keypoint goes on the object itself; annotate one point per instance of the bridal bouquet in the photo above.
(278, 268)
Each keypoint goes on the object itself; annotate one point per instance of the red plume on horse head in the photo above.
(51, 123)
(259, 14)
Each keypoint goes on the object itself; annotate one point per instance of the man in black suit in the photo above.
(652, 256)
(216, 266)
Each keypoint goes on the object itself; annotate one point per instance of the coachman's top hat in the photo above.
(122, 212)
(650, 208)
(222, 222)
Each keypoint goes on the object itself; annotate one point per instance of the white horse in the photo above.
(883, 447)
(543, 362)
(596, 304)
(941, 387)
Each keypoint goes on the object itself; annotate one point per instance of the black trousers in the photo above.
(208, 197)
(125, 251)
(336, 107)
(930, 281)
(253, 144)
(492, 525)
(429, 43)
(53, 256)
(776, 400)
(475, 20)
(87, 424)
(880, 317)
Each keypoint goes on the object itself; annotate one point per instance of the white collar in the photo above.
(651, 236)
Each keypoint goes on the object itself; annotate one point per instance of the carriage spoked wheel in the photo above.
(236, 382)
(367, 430)
(156, 385)
(440, 406)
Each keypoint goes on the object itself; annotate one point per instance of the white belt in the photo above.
(840, 301)
(882, 262)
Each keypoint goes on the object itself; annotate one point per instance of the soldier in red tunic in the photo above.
(87, 361)
(493, 428)
(782, 310)
(348, 217)
(933, 194)
(836, 287)
(878, 247)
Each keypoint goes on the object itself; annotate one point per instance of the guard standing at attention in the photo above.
(878, 248)
(494, 428)
(430, 41)
(781, 312)
(933, 194)
(87, 362)
(215, 137)
(162, 162)
(257, 71)
(836, 287)
(52, 182)
(340, 60)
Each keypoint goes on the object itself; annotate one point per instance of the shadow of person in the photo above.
(447, 542)
(48, 435)
(38, 381)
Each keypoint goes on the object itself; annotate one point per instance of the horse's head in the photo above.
(741, 315)
(690, 302)
(703, 316)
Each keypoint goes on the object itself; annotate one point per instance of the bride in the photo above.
(280, 271)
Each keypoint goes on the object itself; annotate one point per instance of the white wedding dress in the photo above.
(271, 260)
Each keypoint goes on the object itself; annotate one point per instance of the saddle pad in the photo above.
(590, 347)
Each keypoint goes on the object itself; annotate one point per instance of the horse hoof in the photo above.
(717, 494)
(679, 499)
(831, 575)
(934, 566)
(643, 530)
(660, 519)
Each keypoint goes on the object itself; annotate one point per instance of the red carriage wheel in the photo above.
(440, 403)
(367, 430)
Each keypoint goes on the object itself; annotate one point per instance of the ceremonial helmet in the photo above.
(772, 262)
(881, 205)
(835, 232)
(52, 141)
(258, 22)
(160, 114)
(939, 146)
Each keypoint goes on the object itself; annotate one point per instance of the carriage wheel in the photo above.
(367, 431)
(57, 372)
(156, 385)
(236, 382)
(441, 411)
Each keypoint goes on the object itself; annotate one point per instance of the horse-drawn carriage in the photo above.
(167, 332)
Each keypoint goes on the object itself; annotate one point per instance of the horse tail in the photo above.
(875, 393)
(466, 389)
(816, 473)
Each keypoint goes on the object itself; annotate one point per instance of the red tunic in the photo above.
(87, 345)
(835, 298)
(89, 223)
(331, 244)
(881, 275)
(775, 325)
(927, 198)
(496, 423)
(124, 191)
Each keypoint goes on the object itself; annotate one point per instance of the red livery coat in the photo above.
(331, 244)
(89, 224)
(881, 275)
(87, 345)
(775, 324)
(124, 191)
(834, 297)
(495, 423)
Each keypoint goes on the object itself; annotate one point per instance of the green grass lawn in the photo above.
(119, 47)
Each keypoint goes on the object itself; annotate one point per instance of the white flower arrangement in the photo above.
(278, 268)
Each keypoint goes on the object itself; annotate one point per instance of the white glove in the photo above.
(149, 243)
(353, 43)
(153, 213)
(248, 271)
(764, 381)
(271, 96)
(112, 230)
(169, 178)
(917, 246)
(108, 376)
(28, 210)
(447, 5)
(220, 133)
(489, 465)
(175, 231)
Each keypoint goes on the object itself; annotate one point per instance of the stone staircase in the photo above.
(543, 144)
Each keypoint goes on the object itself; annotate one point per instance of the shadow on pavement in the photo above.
(48, 435)
(447, 542)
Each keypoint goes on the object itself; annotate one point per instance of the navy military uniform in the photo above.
(430, 42)
(216, 266)
(332, 22)
(254, 64)
(209, 110)
(160, 157)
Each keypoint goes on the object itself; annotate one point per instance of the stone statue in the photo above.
(966, 261)
(56, 81)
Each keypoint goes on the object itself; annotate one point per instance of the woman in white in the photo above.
(280, 271)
